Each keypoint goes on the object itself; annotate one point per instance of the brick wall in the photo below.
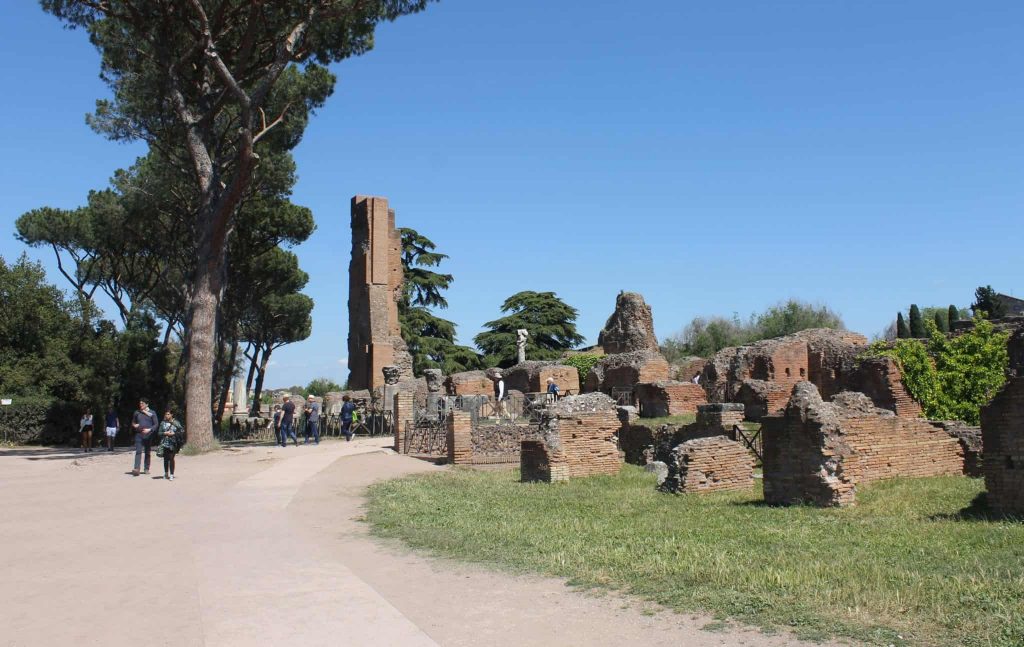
(404, 414)
(460, 438)
(469, 383)
(881, 380)
(709, 465)
(577, 438)
(818, 452)
(719, 416)
(1002, 430)
(660, 399)
(532, 377)
(760, 398)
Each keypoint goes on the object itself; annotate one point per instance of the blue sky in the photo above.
(716, 157)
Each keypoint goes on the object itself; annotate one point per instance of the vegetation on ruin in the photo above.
(550, 321)
(582, 362)
(951, 377)
(942, 317)
(987, 304)
(705, 336)
(430, 338)
(320, 386)
(916, 562)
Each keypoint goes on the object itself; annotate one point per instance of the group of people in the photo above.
(168, 435)
(285, 423)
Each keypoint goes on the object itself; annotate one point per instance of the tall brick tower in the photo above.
(375, 287)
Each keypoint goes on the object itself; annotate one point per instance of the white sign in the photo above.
(6, 402)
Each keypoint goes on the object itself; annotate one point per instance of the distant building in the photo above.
(1014, 306)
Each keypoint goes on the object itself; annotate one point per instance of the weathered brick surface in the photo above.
(532, 377)
(660, 399)
(818, 452)
(1002, 429)
(709, 465)
(403, 415)
(719, 416)
(626, 370)
(639, 442)
(469, 383)
(460, 438)
(630, 328)
(760, 398)
(881, 380)
(375, 282)
(576, 438)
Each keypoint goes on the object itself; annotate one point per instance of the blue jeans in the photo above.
(143, 445)
(313, 428)
(346, 428)
(288, 429)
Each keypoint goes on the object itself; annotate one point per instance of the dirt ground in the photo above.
(263, 546)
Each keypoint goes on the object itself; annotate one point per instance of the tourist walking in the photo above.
(85, 431)
(287, 420)
(172, 438)
(145, 423)
(348, 408)
(277, 425)
(110, 428)
(312, 412)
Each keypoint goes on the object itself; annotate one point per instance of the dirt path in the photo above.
(261, 546)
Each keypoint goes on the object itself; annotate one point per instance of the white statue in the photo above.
(521, 336)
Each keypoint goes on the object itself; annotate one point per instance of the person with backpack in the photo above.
(85, 431)
(348, 412)
(277, 425)
(172, 438)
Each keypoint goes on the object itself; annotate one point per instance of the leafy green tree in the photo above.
(705, 336)
(902, 329)
(320, 387)
(941, 321)
(430, 338)
(793, 316)
(917, 329)
(550, 321)
(952, 377)
(210, 84)
(986, 300)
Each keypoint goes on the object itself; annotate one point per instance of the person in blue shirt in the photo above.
(347, 409)
(111, 428)
(552, 390)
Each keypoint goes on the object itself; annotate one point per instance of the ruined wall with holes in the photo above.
(576, 438)
(626, 370)
(532, 377)
(819, 452)
(375, 288)
(668, 398)
(1002, 429)
(642, 443)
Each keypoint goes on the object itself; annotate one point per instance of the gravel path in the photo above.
(262, 546)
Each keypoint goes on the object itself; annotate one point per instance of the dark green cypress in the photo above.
(954, 315)
(916, 323)
(941, 322)
(902, 331)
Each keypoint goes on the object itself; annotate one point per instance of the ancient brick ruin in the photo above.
(576, 438)
(1002, 428)
(709, 465)
(375, 287)
(626, 370)
(469, 383)
(668, 398)
(630, 327)
(818, 452)
(532, 377)
(642, 443)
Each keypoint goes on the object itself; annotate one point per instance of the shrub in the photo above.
(952, 378)
(34, 420)
(582, 363)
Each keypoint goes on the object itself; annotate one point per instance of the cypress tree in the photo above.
(902, 331)
(954, 315)
(916, 323)
(941, 322)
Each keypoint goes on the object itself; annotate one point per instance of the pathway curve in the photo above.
(261, 546)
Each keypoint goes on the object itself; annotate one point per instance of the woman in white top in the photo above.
(85, 430)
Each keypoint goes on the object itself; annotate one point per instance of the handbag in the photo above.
(160, 451)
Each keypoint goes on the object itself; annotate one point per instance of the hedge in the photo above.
(33, 421)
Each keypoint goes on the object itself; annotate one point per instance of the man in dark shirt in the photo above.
(111, 428)
(313, 420)
(287, 420)
(144, 422)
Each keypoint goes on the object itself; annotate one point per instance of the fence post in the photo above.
(403, 414)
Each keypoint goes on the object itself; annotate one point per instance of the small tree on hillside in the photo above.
(986, 300)
(917, 329)
(902, 330)
(941, 322)
(550, 321)
(953, 315)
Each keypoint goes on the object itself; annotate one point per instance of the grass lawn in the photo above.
(682, 419)
(902, 567)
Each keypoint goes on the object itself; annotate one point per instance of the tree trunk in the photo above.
(226, 385)
(252, 368)
(260, 374)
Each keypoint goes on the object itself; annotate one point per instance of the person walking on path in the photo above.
(172, 437)
(277, 425)
(312, 412)
(111, 428)
(347, 409)
(85, 431)
(144, 422)
(287, 418)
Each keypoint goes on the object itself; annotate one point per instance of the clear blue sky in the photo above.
(716, 157)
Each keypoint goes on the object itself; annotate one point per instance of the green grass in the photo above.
(683, 419)
(903, 567)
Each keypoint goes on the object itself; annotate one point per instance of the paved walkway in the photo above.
(261, 546)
